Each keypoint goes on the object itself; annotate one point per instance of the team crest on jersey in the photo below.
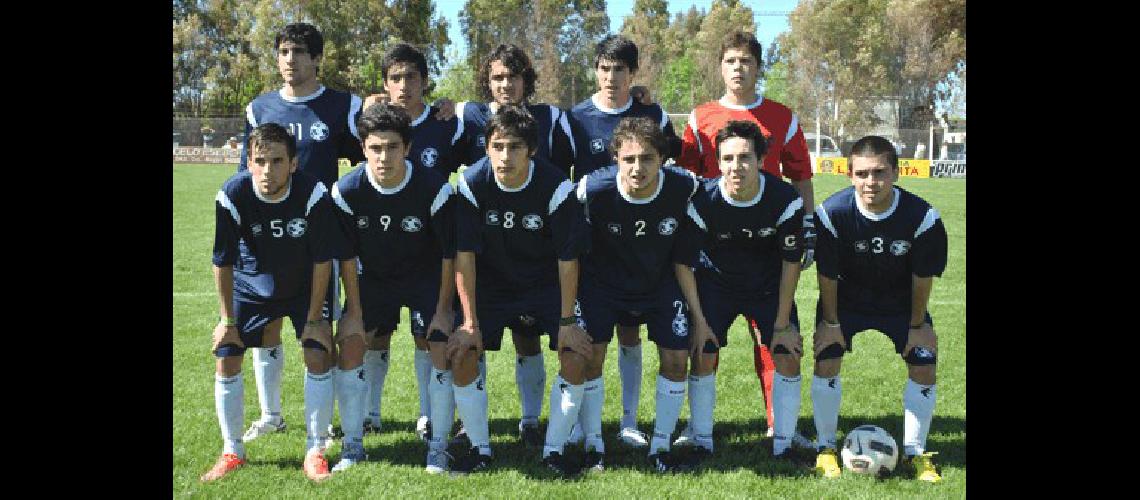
(492, 218)
(362, 222)
(532, 222)
(767, 231)
(861, 246)
(481, 141)
(900, 247)
(680, 325)
(296, 227)
(411, 224)
(614, 228)
(429, 156)
(418, 319)
(597, 146)
(667, 226)
(319, 131)
(255, 229)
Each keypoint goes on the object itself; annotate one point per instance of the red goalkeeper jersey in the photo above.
(786, 144)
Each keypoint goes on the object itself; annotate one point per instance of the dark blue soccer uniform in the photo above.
(629, 270)
(518, 236)
(400, 235)
(272, 246)
(745, 245)
(873, 258)
(553, 132)
(592, 127)
(324, 124)
(437, 144)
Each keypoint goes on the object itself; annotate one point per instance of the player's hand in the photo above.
(374, 99)
(225, 335)
(827, 335)
(321, 332)
(446, 108)
(443, 321)
(924, 337)
(641, 94)
(702, 334)
(789, 337)
(464, 339)
(576, 339)
(350, 324)
(809, 241)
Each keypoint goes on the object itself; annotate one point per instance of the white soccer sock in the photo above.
(670, 397)
(826, 394)
(629, 365)
(268, 363)
(702, 402)
(565, 406)
(918, 410)
(350, 387)
(472, 403)
(442, 399)
(423, 371)
(785, 410)
(593, 399)
(376, 369)
(228, 401)
(318, 399)
(530, 374)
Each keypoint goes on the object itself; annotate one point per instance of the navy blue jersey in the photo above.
(518, 235)
(553, 132)
(272, 245)
(873, 256)
(745, 243)
(636, 242)
(437, 144)
(324, 124)
(592, 127)
(399, 233)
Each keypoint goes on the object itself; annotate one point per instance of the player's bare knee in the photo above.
(351, 353)
(381, 342)
(922, 374)
(572, 367)
(438, 351)
(828, 368)
(228, 366)
(421, 342)
(597, 361)
(316, 360)
(465, 368)
(704, 364)
(271, 334)
(787, 365)
(629, 336)
(674, 364)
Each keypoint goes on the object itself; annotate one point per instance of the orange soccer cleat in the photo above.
(226, 463)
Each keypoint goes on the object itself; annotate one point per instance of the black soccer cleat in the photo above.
(666, 462)
(472, 462)
(594, 462)
(530, 435)
(460, 440)
(560, 466)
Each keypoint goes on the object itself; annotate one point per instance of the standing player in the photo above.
(750, 265)
(879, 250)
(274, 239)
(592, 124)
(787, 155)
(323, 124)
(402, 228)
(520, 234)
(644, 247)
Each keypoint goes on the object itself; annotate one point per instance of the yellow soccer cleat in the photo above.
(826, 463)
(924, 468)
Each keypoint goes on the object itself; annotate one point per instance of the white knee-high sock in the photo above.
(785, 410)
(918, 410)
(530, 374)
(670, 397)
(423, 371)
(702, 402)
(826, 394)
(350, 387)
(268, 363)
(318, 399)
(629, 365)
(593, 399)
(376, 369)
(565, 406)
(472, 403)
(442, 407)
(229, 404)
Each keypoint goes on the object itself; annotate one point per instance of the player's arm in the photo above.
(791, 251)
(468, 242)
(351, 321)
(350, 145)
(686, 250)
(327, 242)
(561, 147)
(442, 212)
(928, 259)
(571, 239)
(828, 329)
(226, 331)
(226, 253)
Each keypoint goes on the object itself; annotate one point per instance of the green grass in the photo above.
(873, 378)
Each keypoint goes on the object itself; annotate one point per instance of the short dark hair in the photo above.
(404, 53)
(617, 48)
(744, 129)
(873, 145)
(511, 56)
(740, 40)
(272, 132)
(385, 118)
(301, 33)
(643, 129)
(514, 120)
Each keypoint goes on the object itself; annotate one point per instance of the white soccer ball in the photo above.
(869, 449)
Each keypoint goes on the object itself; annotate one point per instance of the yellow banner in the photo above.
(914, 168)
(831, 165)
(908, 167)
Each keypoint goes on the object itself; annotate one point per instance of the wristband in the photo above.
(314, 322)
(916, 327)
(229, 321)
(830, 324)
(784, 329)
(568, 321)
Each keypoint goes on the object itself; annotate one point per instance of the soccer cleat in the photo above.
(423, 428)
(472, 462)
(262, 427)
(826, 463)
(370, 428)
(633, 437)
(667, 462)
(559, 465)
(530, 435)
(437, 461)
(799, 441)
(699, 455)
(351, 455)
(316, 466)
(924, 467)
(461, 440)
(576, 436)
(686, 438)
(594, 461)
(226, 463)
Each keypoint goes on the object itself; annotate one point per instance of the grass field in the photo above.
(873, 377)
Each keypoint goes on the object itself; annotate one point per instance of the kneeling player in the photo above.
(274, 242)
(879, 249)
(750, 265)
(643, 244)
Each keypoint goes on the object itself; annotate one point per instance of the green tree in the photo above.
(675, 89)
(647, 25)
(458, 80)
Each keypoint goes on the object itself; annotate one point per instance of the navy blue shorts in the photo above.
(721, 308)
(667, 318)
(528, 312)
(382, 300)
(253, 318)
(896, 327)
